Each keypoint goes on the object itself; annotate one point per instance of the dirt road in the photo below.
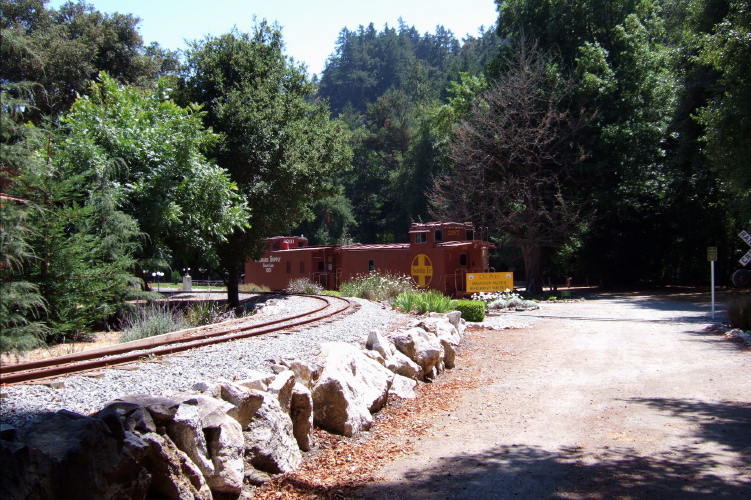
(617, 396)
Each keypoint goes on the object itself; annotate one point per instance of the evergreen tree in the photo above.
(21, 305)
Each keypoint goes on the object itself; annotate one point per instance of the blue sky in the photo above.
(310, 28)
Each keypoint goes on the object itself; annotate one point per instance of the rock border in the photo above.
(220, 437)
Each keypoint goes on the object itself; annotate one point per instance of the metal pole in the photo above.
(712, 272)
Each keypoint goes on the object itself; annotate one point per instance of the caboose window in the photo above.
(439, 234)
(300, 244)
(289, 267)
(371, 265)
(470, 234)
(463, 259)
(421, 237)
(275, 245)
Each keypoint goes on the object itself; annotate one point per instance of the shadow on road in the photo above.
(725, 423)
(521, 471)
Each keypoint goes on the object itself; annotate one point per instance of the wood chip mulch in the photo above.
(340, 465)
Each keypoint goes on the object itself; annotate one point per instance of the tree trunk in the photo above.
(533, 267)
(233, 290)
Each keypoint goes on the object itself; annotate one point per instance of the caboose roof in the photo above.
(383, 246)
(429, 226)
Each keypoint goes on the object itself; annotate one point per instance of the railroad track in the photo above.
(171, 343)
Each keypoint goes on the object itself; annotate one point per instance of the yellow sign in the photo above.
(422, 270)
(490, 282)
(711, 254)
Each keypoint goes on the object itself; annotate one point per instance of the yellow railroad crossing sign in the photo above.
(422, 270)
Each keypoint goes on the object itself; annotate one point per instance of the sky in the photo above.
(310, 28)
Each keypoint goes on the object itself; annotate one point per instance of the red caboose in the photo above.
(439, 255)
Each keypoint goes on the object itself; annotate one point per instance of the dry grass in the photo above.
(102, 339)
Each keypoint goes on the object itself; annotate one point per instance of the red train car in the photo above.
(439, 255)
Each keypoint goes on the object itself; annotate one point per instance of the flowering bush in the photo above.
(304, 285)
(377, 286)
(504, 300)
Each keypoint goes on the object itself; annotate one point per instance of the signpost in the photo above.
(490, 282)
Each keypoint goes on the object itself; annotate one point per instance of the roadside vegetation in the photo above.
(422, 302)
(377, 286)
(157, 318)
(739, 312)
(304, 285)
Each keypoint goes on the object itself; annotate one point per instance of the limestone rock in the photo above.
(270, 444)
(173, 475)
(67, 455)
(186, 431)
(420, 346)
(161, 408)
(306, 373)
(402, 365)
(246, 401)
(121, 416)
(351, 386)
(403, 387)
(225, 442)
(377, 342)
(256, 380)
(281, 387)
(301, 413)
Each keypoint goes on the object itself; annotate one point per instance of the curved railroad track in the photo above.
(171, 343)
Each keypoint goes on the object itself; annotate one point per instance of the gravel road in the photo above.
(617, 396)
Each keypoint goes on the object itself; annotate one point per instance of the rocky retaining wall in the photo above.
(220, 437)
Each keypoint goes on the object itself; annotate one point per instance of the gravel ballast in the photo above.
(179, 372)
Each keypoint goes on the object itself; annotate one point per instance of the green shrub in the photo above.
(151, 320)
(406, 302)
(739, 312)
(472, 310)
(377, 286)
(304, 285)
(204, 313)
(422, 302)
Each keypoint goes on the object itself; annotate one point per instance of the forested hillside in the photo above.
(391, 88)
(603, 140)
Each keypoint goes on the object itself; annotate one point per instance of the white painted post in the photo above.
(712, 263)
(712, 257)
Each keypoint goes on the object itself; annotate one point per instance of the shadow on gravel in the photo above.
(605, 473)
(726, 423)
(532, 472)
(717, 332)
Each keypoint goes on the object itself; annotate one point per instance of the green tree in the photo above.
(726, 117)
(281, 149)
(514, 162)
(333, 221)
(148, 152)
(63, 50)
(21, 305)
(68, 258)
(624, 66)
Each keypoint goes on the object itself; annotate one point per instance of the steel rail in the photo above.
(162, 345)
